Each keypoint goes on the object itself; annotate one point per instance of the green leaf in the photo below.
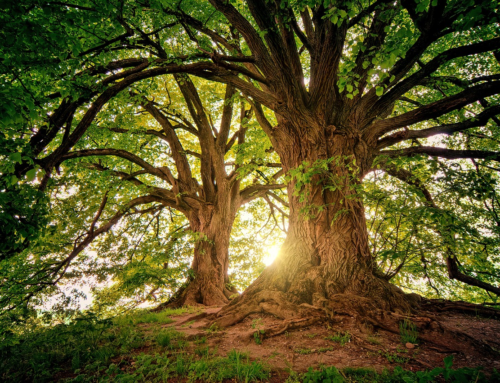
(448, 362)
(31, 174)
(16, 157)
(379, 90)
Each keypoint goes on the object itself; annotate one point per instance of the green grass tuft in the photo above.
(340, 337)
(408, 331)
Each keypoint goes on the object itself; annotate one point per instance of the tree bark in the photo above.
(209, 283)
(324, 265)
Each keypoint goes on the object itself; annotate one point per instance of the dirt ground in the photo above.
(473, 341)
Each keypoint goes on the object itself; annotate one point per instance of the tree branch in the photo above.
(435, 109)
(441, 152)
(448, 129)
(162, 173)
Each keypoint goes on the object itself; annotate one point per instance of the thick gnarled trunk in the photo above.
(208, 284)
(325, 265)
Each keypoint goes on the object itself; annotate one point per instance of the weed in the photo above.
(360, 375)
(201, 340)
(408, 331)
(365, 375)
(171, 339)
(164, 339)
(257, 335)
(329, 374)
(213, 329)
(204, 352)
(393, 357)
(325, 349)
(340, 337)
(306, 351)
(144, 316)
(188, 323)
(181, 365)
(235, 366)
(294, 377)
(311, 335)
(373, 339)
(303, 351)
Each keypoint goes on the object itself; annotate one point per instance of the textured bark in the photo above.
(209, 283)
(325, 265)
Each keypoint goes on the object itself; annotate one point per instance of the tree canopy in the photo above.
(129, 127)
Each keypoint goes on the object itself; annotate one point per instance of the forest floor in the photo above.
(343, 345)
(181, 345)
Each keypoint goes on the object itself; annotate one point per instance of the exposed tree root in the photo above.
(270, 302)
(364, 311)
(289, 325)
(438, 305)
(430, 330)
(198, 292)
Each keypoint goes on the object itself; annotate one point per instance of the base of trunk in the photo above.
(305, 296)
(199, 292)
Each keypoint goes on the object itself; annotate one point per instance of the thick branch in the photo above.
(255, 191)
(448, 129)
(415, 79)
(435, 109)
(163, 173)
(443, 153)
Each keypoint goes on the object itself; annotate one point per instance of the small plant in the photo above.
(294, 377)
(203, 352)
(325, 349)
(181, 344)
(213, 329)
(201, 340)
(408, 331)
(236, 366)
(311, 335)
(164, 339)
(329, 374)
(393, 357)
(373, 340)
(257, 335)
(340, 337)
(188, 324)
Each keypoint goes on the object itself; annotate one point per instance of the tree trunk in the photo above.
(324, 265)
(209, 283)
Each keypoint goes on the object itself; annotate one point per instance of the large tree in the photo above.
(335, 85)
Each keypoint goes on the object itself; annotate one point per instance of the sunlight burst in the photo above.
(271, 255)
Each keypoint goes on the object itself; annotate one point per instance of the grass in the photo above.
(394, 357)
(145, 316)
(306, 351)
(398, 375)
(92, 350)
(408, 332)
(201, 340)
(171, 339)
(373, 339)
(258, 335)
(311, 335)
(236, 365)
(213, 329)
(340, 337)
